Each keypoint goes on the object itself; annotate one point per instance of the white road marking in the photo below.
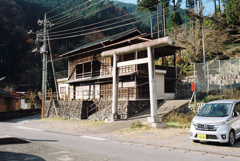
(19, 125)
(94, 138)
(27, 128)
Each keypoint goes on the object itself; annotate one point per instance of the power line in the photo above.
(58, 7)
(96, 27)
(67, 10)
(103, 8)
(111, 19)
(74, 13)
(98, 23)
(91, 24)
(96, 31)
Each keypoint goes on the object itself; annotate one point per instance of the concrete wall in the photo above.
(160, 86)
(63, 96)
(169, 96)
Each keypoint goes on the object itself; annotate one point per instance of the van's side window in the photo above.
(237, 108)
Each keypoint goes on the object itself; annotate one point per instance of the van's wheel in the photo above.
(231, 139)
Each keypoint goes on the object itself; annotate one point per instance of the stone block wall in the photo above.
(183, 90)
(78, 109)
(106, 110)
(135, 107)
(67, 109)
(126, 109)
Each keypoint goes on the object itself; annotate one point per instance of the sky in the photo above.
(209, 6)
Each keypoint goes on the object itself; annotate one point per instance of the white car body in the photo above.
(214, 128)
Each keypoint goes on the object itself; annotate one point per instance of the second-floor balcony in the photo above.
(104, 71)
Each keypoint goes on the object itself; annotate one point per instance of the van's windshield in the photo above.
(216, 110)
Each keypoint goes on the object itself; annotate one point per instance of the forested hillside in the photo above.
(19, 16)
(78, 22)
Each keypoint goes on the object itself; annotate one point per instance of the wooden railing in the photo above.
(88, 74)
(127, 69)
(123, 93)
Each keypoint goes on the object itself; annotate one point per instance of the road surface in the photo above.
(46, 145)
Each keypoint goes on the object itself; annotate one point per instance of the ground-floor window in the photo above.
(2, 101)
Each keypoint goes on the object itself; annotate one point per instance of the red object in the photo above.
(193, 86)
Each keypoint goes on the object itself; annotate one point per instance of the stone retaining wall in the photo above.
(106, 110)
(183, 90)
(67, 109)
(126, 109)
(78, 109)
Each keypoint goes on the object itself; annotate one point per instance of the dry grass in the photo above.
(226, 94)
(173, 120)
(179, 120)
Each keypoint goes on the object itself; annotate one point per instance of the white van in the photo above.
(218, 121)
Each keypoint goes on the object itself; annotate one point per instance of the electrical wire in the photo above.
(58, 7)
(111, 19)
(74, 13)
(67, 10)
(99, 30)
(103, 8)
(97, 23)
(96, 31)
(96, 27)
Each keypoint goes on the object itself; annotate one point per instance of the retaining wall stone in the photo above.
(183, 90)
(67, 109)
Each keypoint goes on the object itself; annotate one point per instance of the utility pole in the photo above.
(204, 63)
(44, 59)
(44, 74)
(158, 19)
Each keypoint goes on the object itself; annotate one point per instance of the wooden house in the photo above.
(90, 75)
(11, 101)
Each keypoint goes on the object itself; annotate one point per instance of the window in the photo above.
(237, 108)
(216, 110)
(2, 101)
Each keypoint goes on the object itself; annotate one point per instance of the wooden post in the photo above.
(83, 70)
(91, 69)
(82, 94)
(89, 91)
(115, 88)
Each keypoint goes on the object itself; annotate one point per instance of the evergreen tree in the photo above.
(232, 12)
(147, 5)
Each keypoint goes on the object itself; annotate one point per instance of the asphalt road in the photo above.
(45, 145)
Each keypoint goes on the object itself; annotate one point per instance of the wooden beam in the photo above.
(132, 62)
(165, 41)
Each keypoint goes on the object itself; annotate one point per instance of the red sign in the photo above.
(193, 86)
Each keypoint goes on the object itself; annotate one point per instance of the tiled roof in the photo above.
(4, 93)
(102, 40)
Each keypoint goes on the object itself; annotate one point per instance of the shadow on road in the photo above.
(236, 145)
(43, 140)
(6, 156)
(28, 118)
(12, 140)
